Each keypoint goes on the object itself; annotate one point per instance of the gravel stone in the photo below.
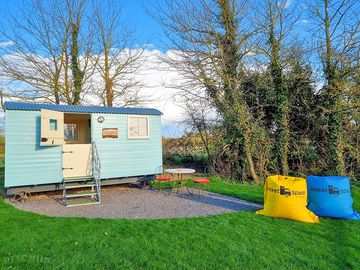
(136, 203)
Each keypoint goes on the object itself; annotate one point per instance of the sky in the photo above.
(148, 31)
(153, 76)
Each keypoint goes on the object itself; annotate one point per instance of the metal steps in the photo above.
(81, 194)
(78, 178)
(68, 186)
(81, 187)
(82, 203)
(87, 187)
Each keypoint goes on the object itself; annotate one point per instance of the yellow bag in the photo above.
(286, 197)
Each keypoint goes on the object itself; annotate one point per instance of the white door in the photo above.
(52, 128)
(77, 160)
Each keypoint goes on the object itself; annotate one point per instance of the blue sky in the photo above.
(148, 31)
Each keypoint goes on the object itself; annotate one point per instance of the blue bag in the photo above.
(330, 196)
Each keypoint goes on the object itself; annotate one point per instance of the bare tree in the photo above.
(200, 117)
(209, 38)
(337, 28)
(39, 57)
(77, 73)
(275, 21)
(117, 59)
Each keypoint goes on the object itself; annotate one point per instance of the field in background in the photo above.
(186, 151)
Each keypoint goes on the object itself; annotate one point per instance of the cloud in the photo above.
(154, 74)
(287, 3)
(156, 77)
(7, 43)
(302, 21)
(157, 80)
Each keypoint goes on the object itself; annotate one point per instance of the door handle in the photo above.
(68, 152)
(67, 168)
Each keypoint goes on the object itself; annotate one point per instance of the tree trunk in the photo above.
(282, 101)
(249, 158)
(75, 66)
(333, 100)
(282, 115)
(237, 115)
(56, 93)
(109, 93)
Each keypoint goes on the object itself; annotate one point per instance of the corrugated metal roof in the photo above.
(22, 106)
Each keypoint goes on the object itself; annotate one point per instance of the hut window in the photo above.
(70, 132)
(138, 127)
(53, 124)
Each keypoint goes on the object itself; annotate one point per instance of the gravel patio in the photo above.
(136, 203)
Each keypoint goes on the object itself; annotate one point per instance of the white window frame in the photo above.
(148, 127)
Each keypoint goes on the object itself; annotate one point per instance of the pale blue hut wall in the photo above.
(124, 157)
(26, 162)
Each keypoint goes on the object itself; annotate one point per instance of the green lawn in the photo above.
(230, 241)
(247, 192)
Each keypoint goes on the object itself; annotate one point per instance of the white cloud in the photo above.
(155, 76)
(287, 3)
(303, 21)
(7, 43)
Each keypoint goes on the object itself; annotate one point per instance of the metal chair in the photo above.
(162, 179)
(202, 181)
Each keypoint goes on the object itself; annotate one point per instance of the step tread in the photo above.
(78, 178)
(80, 194)
(82, 203)
(79, 186)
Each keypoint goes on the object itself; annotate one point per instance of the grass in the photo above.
(230, 241)
(246, 192)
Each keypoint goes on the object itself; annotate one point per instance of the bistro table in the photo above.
(180, 172)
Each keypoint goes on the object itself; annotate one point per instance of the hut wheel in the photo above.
(21, 197)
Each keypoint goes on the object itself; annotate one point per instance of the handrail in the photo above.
(96, 159)
(96, 168)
